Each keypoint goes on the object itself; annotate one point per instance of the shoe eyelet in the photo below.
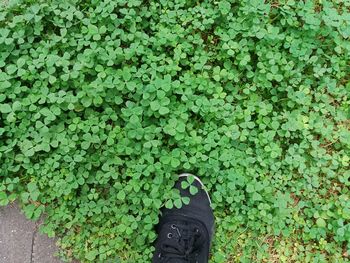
(173, 226)
(160, 255)
(170, 235)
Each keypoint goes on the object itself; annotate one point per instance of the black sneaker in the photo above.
(185, 234)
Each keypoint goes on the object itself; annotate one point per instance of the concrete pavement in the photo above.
(20, 241)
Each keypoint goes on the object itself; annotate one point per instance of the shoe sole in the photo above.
(198, 180)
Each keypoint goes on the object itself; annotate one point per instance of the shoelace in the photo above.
(181, 244)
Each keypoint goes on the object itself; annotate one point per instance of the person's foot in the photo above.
(185, 234)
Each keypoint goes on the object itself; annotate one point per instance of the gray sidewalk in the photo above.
(20, 241)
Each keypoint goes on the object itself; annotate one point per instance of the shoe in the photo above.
(185, 234)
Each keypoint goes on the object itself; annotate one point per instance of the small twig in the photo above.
(329, 144)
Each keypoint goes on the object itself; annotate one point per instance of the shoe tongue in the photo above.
(179, 245)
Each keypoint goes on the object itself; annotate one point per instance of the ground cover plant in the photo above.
(102, 103)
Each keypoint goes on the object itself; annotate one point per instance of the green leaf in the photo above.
(86, 101)
(29, 211)
(224, 7)
(193, 190)
(121, 195)
(250, 188)
(163, 110)
(178, 203)
(29, 152)
(175, 162)
(155, 105)
(91, 255)
(185, 200)
(3, 199)
(190, 179)
(169, 204)
(256, 197)
(147, 201)
(184, 185)
(5, 108)
(10, 69)
(85, 145)
(93, 30)
(321, 222)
